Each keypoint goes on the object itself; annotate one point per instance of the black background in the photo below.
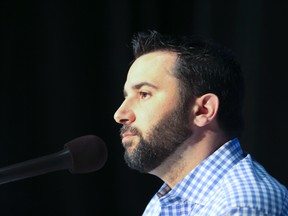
(63, 65)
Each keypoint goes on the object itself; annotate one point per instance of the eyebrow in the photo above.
(140, 85)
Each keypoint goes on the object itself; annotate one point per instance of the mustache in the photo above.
(127, 128)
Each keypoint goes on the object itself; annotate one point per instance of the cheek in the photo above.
(148, 119)
(145, 119)
(149, 113)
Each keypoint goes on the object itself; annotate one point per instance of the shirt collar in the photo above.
(199, 184)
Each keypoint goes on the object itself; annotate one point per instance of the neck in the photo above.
(190, 154)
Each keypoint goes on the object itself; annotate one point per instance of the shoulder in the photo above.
(249, 186)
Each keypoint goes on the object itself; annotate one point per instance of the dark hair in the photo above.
(202, 67)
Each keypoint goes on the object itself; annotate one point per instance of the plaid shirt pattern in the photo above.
(228, 182)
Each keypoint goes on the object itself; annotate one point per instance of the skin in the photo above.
(151, 92)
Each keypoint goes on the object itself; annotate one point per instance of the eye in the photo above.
(144, 95)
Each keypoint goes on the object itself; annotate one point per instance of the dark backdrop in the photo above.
(63, 65)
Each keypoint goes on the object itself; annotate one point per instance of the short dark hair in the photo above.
(202, 66)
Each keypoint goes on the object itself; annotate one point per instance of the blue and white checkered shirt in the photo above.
(228, 182)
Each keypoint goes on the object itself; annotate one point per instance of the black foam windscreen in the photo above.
(89, 153)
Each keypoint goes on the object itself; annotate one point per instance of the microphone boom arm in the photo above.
(42, 165)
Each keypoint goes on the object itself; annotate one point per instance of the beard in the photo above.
(162, 141)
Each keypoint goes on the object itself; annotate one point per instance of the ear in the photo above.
(205, 109)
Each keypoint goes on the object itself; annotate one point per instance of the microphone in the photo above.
(81, 155)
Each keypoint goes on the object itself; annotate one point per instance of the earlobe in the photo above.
(205, 109)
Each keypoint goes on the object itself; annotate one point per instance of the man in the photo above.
(182, 121)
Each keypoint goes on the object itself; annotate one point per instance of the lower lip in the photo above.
(127, 139)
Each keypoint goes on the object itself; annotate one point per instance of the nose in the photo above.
(124, 114)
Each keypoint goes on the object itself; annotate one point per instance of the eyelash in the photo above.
(144, 94)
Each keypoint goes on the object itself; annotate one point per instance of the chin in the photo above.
(129, 147)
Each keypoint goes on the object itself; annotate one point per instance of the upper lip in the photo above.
(125, 134)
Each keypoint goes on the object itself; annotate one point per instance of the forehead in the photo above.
(155, 67)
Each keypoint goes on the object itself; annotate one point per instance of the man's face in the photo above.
(154, 121)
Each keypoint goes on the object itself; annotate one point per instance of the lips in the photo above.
(127, 136)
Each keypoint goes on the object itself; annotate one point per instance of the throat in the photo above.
(172, 171)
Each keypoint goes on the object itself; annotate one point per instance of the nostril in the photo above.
(124, 118)
(124, 121)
